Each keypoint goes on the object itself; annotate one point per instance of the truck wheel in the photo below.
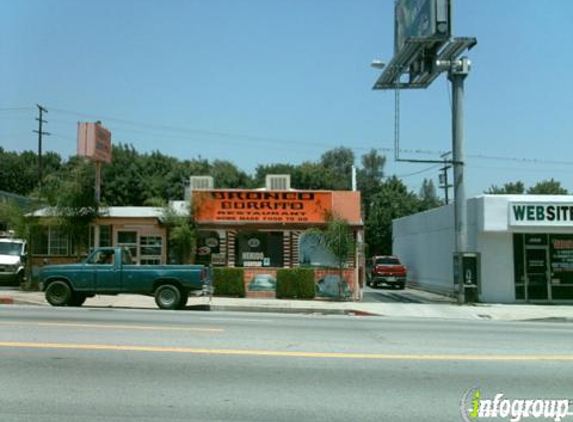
(58, 293)
(400, 286)
(77, 299)
(183, 300)
(21, 279)
(167, 296)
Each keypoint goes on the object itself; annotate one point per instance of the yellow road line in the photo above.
(279, 353)
(114, 326)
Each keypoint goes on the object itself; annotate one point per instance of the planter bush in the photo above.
(229, 282)
(295, 283)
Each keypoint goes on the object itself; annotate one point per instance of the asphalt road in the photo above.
(149, 365)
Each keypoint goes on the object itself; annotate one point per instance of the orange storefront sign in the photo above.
(236, 206)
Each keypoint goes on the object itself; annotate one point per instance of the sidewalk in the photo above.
(496, 312)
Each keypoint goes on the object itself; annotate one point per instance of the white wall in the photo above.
(425, 243)
(497, 272)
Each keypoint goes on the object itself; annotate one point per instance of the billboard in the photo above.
(240, 206)
(94, 142)
(422, 19)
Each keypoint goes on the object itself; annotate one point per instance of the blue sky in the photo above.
(266, 81)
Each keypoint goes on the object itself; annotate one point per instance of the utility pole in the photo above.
(40, 132)
(459, 70)
(444, 177)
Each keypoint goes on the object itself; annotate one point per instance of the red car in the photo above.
(386, 270)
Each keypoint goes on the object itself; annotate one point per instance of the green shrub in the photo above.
(295, 283)
(229, 282)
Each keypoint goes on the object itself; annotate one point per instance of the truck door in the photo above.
(106, 266)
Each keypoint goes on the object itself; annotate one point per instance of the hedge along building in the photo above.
(263, 230)
(524, 244)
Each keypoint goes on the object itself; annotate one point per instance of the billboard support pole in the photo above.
(459, 70)
(97, 200)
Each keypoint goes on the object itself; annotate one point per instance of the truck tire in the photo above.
(167, 296)
(58, 293)
(183, 300)
(77, 299)
(401, 285)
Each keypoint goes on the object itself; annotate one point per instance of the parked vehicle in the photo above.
(110, 271)
(386, 270)
(13, 255)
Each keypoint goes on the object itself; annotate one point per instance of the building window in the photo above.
(104, 236)
(49, 240)
(313, 253)
(150, 250)
(259, 249)
(128, 239)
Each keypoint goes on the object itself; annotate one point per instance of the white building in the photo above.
(524, 242)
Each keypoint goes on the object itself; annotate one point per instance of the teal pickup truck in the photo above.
(110, 271)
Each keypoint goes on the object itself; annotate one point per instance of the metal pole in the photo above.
(457, 74)
(97, 200)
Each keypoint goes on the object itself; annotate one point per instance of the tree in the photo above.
(123, 180)
(339, 162)
(392, 201)
(182, 236)
(547, 187)
(428, 196)
(228, 176)
(338, 240)
(369, 178)
(516, 188)
(70, 195)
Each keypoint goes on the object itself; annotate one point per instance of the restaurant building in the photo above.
(266, 229)
(523, 245)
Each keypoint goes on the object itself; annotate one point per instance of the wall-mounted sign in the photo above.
(254, 242)
(524, 214)
(212, 242)
(261, 206)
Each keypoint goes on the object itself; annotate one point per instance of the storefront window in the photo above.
(543, 266)
(259, 249)
(209, 249)
(313, 253)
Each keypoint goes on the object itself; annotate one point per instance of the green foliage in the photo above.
(392, 201)
(19, 171)
(229, 282)
(516, 188)
(544, 187)
(70, 195)
(339, 162)
(547, 187)
(13, 215)
(339, 241)
(428, 196)
(228, 176)
(295, 283)
(369, 178)
(182, 236)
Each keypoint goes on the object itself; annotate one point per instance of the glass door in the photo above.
(537, 273)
